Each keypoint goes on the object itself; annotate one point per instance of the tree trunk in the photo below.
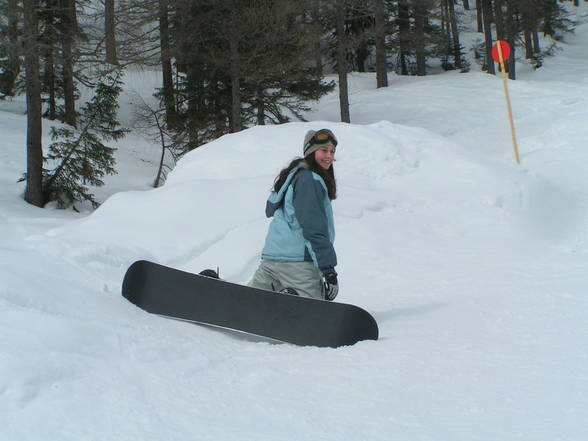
(12, 67)
(479, 19)
(487, 19)
(499, 20)
(403, 34)
(342, 62)
(445, 33)
(34, 189)
(380, 37)
(528, 44)
(193, 109)
(419, 37)
(455, 34)
(109, 31)
(46, 46)
(166, 65)
(236, 124)
(318, 56)
(50, 84)
(69, 26)
(531, 27)
(535, 36)
(527, 31)
(361, 54)
(260, 107)
(510, 30)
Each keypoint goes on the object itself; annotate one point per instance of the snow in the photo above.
(473, 266)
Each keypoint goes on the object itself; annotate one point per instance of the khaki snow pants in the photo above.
(304, 277)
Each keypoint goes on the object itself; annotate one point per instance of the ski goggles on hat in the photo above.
(323, 136)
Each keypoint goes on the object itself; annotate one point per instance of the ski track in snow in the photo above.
(474, 268)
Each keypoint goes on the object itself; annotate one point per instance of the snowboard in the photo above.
(288, 318)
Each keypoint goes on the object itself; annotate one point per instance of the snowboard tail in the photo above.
(302, 321)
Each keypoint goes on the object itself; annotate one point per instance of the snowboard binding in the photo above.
(290, 291)
(210, 273)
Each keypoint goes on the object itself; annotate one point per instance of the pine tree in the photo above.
(10, 63)
(554, 17)
(359, 26)
(241, 63)
(82, 159)
(417, 36)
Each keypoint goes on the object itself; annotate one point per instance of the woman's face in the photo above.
(325, 156)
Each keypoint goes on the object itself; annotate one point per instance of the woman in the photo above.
(298, 256)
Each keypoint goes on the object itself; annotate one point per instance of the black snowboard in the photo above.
(307, 322)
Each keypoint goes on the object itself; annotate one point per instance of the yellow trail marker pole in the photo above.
(508, 104)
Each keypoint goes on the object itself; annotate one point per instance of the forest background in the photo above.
(225, 65)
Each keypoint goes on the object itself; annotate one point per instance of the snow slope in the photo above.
(474, 267)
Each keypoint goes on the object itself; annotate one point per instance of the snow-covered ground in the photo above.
(474, 267)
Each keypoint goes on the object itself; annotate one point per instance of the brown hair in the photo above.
(327, 175)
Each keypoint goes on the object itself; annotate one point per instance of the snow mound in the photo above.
(217, 193)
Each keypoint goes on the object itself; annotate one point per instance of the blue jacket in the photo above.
(302, 228)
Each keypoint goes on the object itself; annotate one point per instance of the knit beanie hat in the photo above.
(314, 140)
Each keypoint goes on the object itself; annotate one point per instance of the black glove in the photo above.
(331, 285)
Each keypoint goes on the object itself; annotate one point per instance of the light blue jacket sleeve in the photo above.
(309, 206)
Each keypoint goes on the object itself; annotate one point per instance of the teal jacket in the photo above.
(302, 228)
